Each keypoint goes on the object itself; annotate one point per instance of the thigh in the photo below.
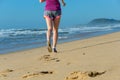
(49, 23)
(56, 23)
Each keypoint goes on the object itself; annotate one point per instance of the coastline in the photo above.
(13, 40)
(38, 44)
(74, 59)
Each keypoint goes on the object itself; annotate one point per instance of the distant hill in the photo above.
(103, 21)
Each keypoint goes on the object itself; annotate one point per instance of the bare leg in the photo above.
(49, 31)
(49, 28)
(55, 31)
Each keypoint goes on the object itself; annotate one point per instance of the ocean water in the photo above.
(20, 39)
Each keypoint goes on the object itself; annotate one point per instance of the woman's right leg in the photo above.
(49, 32)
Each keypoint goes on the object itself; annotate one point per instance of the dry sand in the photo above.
(96, 58)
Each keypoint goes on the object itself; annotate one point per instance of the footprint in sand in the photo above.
(5, 72)
(83, 75)
(49, 58)
(77, 76)
(37, 74)
(95, 73)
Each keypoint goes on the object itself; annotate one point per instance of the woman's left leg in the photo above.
(55, 32)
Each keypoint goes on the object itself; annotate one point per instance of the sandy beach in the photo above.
(95, 58)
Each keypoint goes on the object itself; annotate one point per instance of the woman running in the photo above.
(52, 15)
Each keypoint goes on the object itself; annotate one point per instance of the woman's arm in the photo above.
(63, 3)
(42, 1)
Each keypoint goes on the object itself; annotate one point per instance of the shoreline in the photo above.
(93, 58)
(78, 37)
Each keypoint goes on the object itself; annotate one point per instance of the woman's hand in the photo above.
(42, 1)
(63, 3)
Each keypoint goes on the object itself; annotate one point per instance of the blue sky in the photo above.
(29, 13)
